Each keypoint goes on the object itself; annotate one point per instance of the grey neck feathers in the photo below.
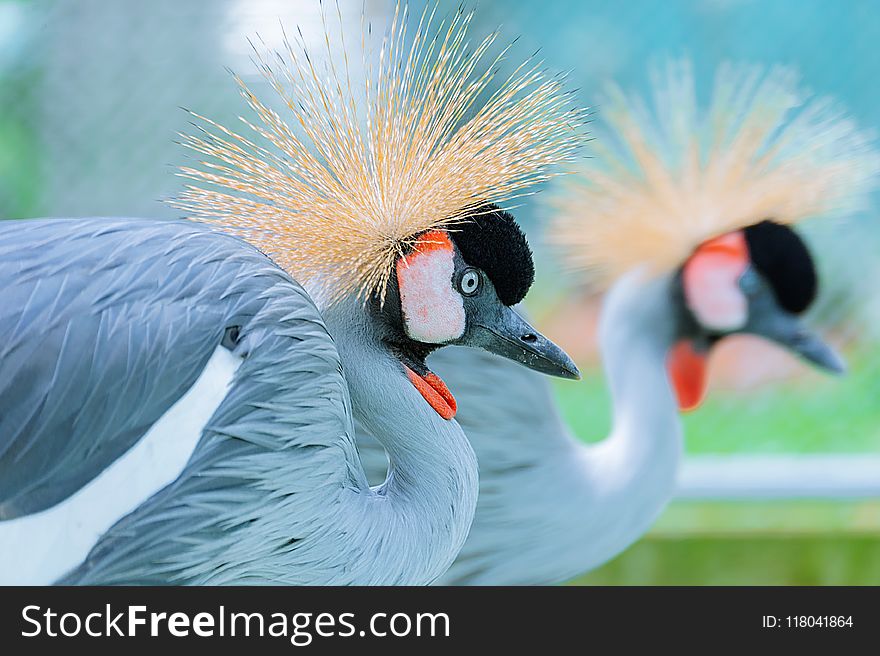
(636, 331)
(631, 474)
(582, 504)
(429, 497)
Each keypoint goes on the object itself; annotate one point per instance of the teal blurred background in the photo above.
(90, 97)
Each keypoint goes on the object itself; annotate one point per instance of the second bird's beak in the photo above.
(503, 332)
(789, 331)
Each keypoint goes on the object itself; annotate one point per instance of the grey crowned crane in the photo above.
(685, 216)
(175, 407)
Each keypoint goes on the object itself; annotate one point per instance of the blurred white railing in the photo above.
(826, 476)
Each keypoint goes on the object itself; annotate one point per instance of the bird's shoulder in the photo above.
(107, 323)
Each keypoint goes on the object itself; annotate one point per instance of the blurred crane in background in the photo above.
(685, 215)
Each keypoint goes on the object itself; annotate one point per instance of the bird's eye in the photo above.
(469, 283)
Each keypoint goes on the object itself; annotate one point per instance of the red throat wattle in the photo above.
(688, 374)
(435, 392)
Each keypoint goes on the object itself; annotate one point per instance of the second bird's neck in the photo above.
(636, 332)
(627, 479)
(614, 490)
(552, 507)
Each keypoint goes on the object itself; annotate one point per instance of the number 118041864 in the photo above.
(807, 621)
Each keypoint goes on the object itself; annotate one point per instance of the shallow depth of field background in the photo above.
(90, 103)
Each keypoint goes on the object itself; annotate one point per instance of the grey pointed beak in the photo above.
(509, 335)
(789, 331)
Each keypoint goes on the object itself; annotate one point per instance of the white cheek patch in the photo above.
(433, 311)
(711, 285)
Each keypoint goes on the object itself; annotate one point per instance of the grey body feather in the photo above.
(95, 349)
(109, 321)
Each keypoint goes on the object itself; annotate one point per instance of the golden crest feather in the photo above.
(343, 187)
(667, 177)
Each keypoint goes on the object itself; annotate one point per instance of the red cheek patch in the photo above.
(435, 392)
(711, 282)
(688, 374)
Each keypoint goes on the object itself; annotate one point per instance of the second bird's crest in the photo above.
(669, 176)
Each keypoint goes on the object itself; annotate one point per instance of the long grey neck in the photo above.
(636, 332)
(428, 501)
(637, 463)
(585, 503)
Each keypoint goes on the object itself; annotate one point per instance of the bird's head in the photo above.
(365, 189)
(457, 285)
(682, 189)
(755, 280)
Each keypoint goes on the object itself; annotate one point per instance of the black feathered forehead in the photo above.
(492, 241)
(782, 257)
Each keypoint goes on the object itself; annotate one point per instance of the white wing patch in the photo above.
(38, 549)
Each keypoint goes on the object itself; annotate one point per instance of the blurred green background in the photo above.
(90, 97)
